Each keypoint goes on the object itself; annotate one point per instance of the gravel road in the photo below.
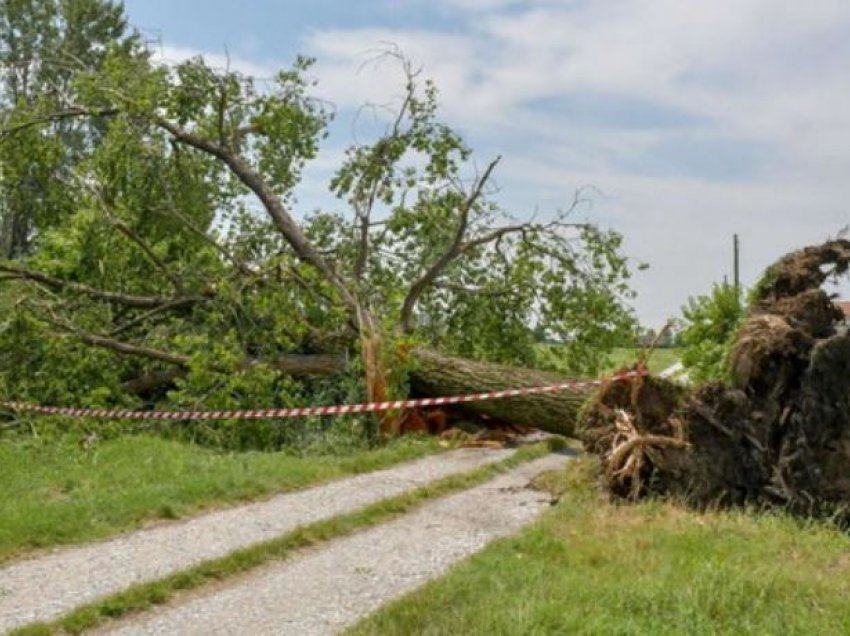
(44, 588)
(330, 588)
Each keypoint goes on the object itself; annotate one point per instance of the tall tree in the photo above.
(43, 45)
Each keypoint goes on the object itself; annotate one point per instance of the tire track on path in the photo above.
(46, 587)
(327, 589)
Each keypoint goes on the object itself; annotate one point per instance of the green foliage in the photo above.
(510, 280)
(262, 387)
(165, 205)
(44, 44)
(710, 325)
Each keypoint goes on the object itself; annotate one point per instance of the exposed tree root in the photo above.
(779, 435)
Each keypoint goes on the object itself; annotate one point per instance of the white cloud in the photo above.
(642, 49)
(754, 74)
(354, 69)
(765, 85)
(478, 5)
(219, 60)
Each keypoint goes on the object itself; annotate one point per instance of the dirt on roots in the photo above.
(777, 435)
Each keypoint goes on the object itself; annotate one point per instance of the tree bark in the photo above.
(437, 375)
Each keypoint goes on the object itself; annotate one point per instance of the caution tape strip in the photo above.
(369, 407)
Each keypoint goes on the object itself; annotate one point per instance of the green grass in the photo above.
(53, 494)
(146, 595)
(658, 361)
(590, 567)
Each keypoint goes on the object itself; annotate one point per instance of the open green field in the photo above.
(590, 567)
(658, 361)
(60, 493)
(618, 358)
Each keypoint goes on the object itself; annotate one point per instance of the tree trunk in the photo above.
(436, 375)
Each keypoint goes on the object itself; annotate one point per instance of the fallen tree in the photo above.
(434, 374)
(778, 434)
(179, 271)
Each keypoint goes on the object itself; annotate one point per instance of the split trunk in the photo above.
(438, 375)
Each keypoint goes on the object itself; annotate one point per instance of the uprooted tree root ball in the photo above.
(778, 435)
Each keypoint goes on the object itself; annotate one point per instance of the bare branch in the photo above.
(177, 304)
(129, 300)
(364, 208)
(131, 234)
(126, 348)
(462, 289)
(68, 113)
(118, 346)
(298, 365)
(454, 250)
(190, 225)
(287, 226)
(153, 381)
(222, 106)
(495, 235)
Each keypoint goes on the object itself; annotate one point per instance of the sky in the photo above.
(691, 121)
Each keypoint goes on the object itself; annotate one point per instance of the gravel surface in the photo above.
(44, 588)
(330, 588)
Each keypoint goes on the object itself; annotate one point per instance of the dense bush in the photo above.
(709, 326)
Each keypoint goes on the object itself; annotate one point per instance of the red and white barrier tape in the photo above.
(370, 407)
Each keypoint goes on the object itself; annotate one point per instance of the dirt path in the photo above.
(44, 588)
(332, 587)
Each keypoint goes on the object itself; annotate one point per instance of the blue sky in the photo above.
(694, 120)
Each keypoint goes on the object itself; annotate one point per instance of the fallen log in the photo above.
(436, 375)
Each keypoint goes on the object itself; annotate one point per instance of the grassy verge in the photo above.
(146, 595)
(617, 359)
(590, 567)
(658, 361)
(60, 493)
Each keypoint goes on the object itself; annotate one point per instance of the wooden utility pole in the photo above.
(737, 257)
